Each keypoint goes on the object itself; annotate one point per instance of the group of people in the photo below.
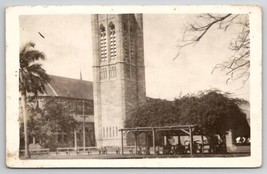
(103, 150)
(176, 149)
(213, 144)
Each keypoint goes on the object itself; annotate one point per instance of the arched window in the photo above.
(112, 72)
(125, 43)
(112, 41)
(103, 43)
(106, 131)
(133, 72)
(103, 132)
(132, 45)
(103, 73)
(127, 71)
(113, 133)
(116, 131)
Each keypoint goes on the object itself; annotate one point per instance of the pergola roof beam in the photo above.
(178, 127)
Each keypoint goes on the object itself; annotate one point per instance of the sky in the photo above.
(68, 49)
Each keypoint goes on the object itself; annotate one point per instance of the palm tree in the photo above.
(32, 79)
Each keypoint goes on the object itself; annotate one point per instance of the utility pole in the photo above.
(75, 140)
(83, 128)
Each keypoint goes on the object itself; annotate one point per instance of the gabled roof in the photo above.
(68, 87)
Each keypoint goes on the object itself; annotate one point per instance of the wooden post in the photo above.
(83, 128)
(135, 142)
(202, 143)
(165, 140)
(122, 142)
(75, 140)
(191, 141)
(25, 125)
(154, 143)
(224, 143)
(179, 139)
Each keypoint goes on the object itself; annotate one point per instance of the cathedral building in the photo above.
(77, 94)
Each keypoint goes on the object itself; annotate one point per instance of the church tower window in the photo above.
(106, 131)
(112, 72)
(132, 46)
(116, 131)
(133, 72)
(103, 73)
(112, 40)
(125, 43)
(103, 44)
(127, 71)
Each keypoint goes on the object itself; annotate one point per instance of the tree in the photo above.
(32, 79)
(55, 116)
(213, 111)
(237, 65)
(155, 112)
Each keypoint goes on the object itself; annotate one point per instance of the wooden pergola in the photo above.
(186, 129)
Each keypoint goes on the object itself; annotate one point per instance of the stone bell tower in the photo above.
(118, 71)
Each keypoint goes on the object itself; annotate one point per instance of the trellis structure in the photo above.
(185, 129)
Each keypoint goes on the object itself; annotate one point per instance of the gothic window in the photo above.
(103, 43)
(116, 131)
(125, 42)
(103, 73)
(112, 72)
(112, 40)
(79, 107)
(88, 108)
(106, 131)
(133, 72)
(132, 46)
(65, 138)
(127, 71)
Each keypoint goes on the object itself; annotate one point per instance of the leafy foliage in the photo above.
(212, 110)
(32, 79)
(156, 112)
(55, 116)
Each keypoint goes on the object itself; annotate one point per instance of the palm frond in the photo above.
(29, 57)
(32, 77)
(27, 46)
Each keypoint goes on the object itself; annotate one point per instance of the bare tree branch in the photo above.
(236, 66)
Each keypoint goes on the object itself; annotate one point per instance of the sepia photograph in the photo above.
(134, 86)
